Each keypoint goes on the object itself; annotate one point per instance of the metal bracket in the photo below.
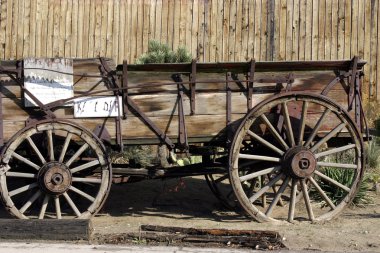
(124, 85)
(228, 98)
(102, 133)
(182, 133)
(250, 84)
(150, 123)
(351, 93)
(193, 77)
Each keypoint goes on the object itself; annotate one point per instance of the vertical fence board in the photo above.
(340, 30)
(315, 31)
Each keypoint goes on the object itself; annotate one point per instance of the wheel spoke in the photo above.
(293, 198)
(277, 196)
(316, 127)
(335, 131)
(265, 188)
(323, 176)
(71, 204)
(44, 206)
(26, 161)
(65, 146)
(334, 150)
(22, 189)
(274, 132)
(85, 166)
(338, 165)
(77, 154)
(50, 144)
(87, 180)
(302, 123)
(260, 158)
(289, 130)
(83, 194)
(20, 174)
(57, 207)
(323, 194)
(265, 143)
(34, 147)
(306, 197)
(30, 201)
(259, 173)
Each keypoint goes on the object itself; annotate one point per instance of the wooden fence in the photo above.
(213, 30)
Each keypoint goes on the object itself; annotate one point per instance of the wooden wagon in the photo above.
(277, 132)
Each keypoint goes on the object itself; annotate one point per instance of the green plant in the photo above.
(345, 177)
(373, 154)
(161, 53)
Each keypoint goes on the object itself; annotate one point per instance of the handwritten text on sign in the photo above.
(93, 107)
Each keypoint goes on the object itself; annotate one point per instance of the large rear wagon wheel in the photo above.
(291, 140)
(54, 170)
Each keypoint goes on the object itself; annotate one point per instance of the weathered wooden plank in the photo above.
(373, 49)
(377, 93)
(354, 27)
(188, 8)
(207, 24)
(81, 20)
(164, 21)
(20, 30)
(145, 25)
(3, 27)
(238, 32)
(26, 38)
(139, 29)
(97, 29)
(264, 30)
(340, 28)
(257, 44)
(308, 29)
(50, 29)
(67, 41)
(201, 31)
(128, 32)
(290, 41)
(277, 10)
(251, 29)
(226, 28)
(171, 27)
(182, 23)
(334, 29)
(62, 22)
(302, 34)
(92, 28)
(367, 42)
(56, 37)
(321, 28)
(296, 29)
(116, 32)
(39, 18)
(158, 18)
(15, 22)
(315, 31)
(110, 30)
(245, 28)
(282, 35)
(361, 28)
(347, 29)
(45, 229)
(103, 28)
(86, 32)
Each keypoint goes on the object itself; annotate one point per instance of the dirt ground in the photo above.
(190, 203)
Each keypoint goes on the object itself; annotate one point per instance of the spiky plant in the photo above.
(161, 53)
(345, 177)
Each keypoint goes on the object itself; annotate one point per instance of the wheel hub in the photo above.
(54, 178)
(299, 162)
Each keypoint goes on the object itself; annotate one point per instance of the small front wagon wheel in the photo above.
(54, 170)
(296, 157)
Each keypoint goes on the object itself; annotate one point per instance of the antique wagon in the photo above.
(277, 132)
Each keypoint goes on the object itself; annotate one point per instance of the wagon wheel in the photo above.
(296, 155)
(67, 176)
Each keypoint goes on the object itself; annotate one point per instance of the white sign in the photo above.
(94, 107)
(48, 79)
